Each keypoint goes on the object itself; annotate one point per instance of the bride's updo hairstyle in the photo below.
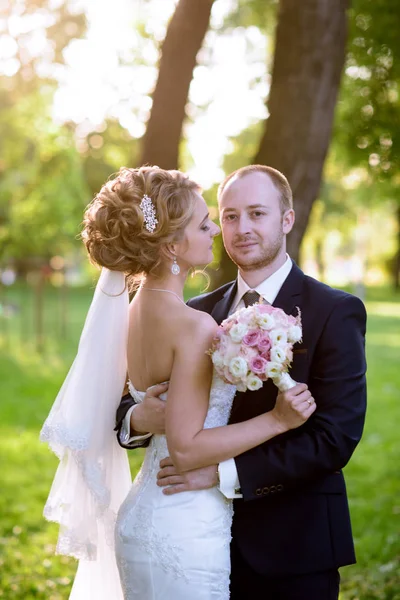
(115, 232)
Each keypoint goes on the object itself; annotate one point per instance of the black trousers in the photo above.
(247, 584)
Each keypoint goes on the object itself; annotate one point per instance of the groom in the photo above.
(291, 528)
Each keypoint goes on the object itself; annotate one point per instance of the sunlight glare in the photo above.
(227, 92)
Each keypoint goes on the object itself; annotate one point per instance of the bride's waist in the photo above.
(157, 449)
(146, 485)
(208, 504)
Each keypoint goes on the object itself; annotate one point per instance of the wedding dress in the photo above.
(175, 547)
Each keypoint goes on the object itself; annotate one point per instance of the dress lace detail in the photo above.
(221, 398)
(164, 552)
(175, 546)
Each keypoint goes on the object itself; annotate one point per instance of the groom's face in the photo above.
(254, 227)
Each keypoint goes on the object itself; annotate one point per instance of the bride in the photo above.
(152, 226)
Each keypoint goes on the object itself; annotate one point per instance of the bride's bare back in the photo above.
(157, 323)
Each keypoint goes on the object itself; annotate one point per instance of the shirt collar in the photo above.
(269, 288)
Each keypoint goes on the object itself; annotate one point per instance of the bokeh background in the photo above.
(86, 86)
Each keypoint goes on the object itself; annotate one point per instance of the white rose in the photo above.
(238, 332)
(238, 367)
(273, 369)
(241, 387)
(278, 337)
(294, 334)
(217, 359)
(253, 383)
(278, 354)
(266, 321)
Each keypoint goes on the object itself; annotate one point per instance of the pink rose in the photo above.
(264, 343)
(251, 338)
(265, 308)
(258, 365)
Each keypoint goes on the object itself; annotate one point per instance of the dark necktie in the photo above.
(251, 297)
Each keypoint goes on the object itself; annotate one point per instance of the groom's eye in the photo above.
(229, 217)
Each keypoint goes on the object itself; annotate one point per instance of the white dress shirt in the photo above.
(268, 289)
(125, 432)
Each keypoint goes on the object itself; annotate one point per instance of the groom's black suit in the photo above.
(294, 519)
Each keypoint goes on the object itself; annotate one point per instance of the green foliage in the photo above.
(254, 13)
(244, 147)
(105, 150)
(42, 186)
(368, 127)
(45, 183)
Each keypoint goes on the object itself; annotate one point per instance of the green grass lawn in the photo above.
(29, 384)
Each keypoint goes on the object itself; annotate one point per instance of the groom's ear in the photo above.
(288, 219)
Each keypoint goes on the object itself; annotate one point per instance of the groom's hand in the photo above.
(174, 482)
(149, 415)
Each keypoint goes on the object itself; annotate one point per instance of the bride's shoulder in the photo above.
(199, 324)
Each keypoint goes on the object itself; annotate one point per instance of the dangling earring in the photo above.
(175, 269)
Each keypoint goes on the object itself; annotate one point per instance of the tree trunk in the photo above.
(184, 38)
(308, 61)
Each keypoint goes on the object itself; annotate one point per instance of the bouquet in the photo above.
(255, 344)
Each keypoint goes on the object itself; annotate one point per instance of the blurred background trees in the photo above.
(314, 51)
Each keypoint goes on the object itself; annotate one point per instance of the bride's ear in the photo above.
(168, 251)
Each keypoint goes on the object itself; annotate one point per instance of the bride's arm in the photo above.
(190, 446)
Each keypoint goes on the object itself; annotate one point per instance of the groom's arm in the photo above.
(326, 442)
(137, 422)
(126, 435)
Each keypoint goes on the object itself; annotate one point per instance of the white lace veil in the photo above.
(93, 476)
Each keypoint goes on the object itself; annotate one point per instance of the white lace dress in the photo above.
(175, 547)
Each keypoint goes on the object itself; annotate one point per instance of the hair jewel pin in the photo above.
(149, 213)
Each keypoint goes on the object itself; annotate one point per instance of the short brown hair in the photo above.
(114, 230)
(278, 178)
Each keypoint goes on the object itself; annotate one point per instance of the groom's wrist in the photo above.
(229, 484)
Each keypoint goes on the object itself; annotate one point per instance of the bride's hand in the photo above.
(294, 407)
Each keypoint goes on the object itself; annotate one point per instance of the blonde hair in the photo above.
(114, 231)
(278, 178)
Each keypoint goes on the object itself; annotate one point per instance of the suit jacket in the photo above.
(294, 515)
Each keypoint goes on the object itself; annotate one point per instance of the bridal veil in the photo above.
(93, 476)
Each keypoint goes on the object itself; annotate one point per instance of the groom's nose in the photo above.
(243, 225)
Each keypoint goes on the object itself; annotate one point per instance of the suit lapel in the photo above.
(221, 308)
(289, 294)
